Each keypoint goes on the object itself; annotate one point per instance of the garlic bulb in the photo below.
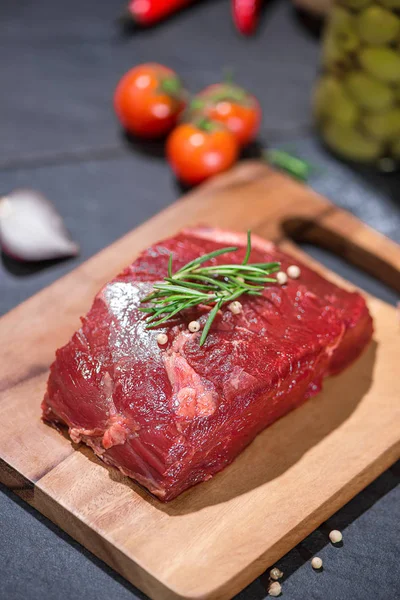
(31, 228)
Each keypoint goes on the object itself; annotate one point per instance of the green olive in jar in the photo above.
(342, 29)
(392, 4)
(334, 57)
(376, 25)
(331, 101)
(357, 4)
(367, 92)
(382, 63)
(383, 126)
(350, 143)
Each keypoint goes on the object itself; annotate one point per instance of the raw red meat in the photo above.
(171, 417)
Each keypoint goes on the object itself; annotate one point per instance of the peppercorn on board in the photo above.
(336, 447)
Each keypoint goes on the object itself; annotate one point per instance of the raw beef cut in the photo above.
(172, 416)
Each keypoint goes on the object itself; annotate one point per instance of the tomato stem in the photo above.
(171, 86)
(197, 104)
(206, 124)
(230, 92)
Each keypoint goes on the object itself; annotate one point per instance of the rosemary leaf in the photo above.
(191, 285)
(260, 279)
(170, 265)
(209, 322)
(212, 281)
(248, 249)
(272, 266)
(206, 257)
(235, 268)
(167, 316)
(165, 287)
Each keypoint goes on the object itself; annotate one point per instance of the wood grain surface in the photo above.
(290, 479)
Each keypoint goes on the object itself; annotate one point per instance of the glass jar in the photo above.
(357, 95)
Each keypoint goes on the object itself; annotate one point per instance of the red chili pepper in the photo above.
(245, 15)
(149, 12)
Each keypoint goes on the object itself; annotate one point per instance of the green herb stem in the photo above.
(294, 166)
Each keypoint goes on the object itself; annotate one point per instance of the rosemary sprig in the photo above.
(195, 284)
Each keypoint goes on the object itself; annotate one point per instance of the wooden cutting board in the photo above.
(216, 538)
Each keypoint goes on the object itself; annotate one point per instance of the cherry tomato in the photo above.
(201, 149)
(231, 105)
(149, 99)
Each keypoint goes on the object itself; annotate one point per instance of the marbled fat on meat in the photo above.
(172, 416)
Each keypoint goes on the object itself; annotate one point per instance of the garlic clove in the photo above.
(31, 229)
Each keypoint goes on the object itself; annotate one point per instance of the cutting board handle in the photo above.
(347, 236)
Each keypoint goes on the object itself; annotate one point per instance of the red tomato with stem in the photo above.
(231, 105)
(149, 99)
(201, 149)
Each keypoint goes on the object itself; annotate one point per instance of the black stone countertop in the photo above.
(59, 65)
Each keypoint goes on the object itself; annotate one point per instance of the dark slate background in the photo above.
(59, 65)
